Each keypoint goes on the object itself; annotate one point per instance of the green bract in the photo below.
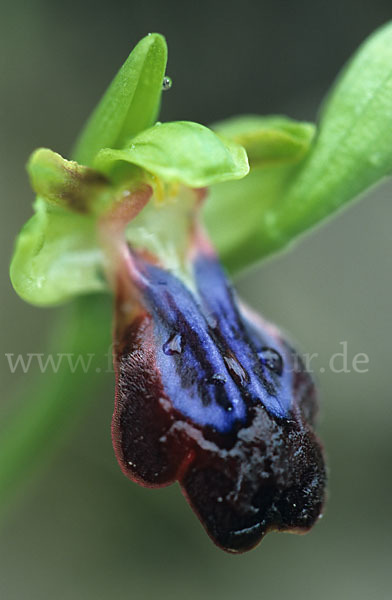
(351, 151)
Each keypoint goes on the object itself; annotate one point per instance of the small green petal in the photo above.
(270, 140)
(67, 184)
(131, 102)
(56, 257)
(181, 152)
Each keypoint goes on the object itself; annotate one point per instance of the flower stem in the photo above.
(54, 400)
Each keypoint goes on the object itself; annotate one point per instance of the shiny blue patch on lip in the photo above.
(247, 339)
(208, 354)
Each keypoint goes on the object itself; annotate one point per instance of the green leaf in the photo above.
(65, 183)
(56, 256)
(270, 140)
(131, 102)
(182, 152)
(351, 152)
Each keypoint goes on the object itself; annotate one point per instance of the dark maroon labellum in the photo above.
(213, 397)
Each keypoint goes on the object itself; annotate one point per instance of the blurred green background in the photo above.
(82, 530)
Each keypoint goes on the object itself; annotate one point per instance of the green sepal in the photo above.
(240, 214)
(179, 152)
(270, 140)
(65, 183)
(56, 256)
(130, 104)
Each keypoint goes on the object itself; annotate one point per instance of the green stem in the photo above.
(54, 401)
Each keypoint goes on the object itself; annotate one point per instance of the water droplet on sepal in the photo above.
(166, 83)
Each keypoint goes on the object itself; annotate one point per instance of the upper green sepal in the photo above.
(130, 104)
(179, 152)
(270, 140)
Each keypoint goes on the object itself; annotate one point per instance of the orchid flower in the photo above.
(207, 392)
